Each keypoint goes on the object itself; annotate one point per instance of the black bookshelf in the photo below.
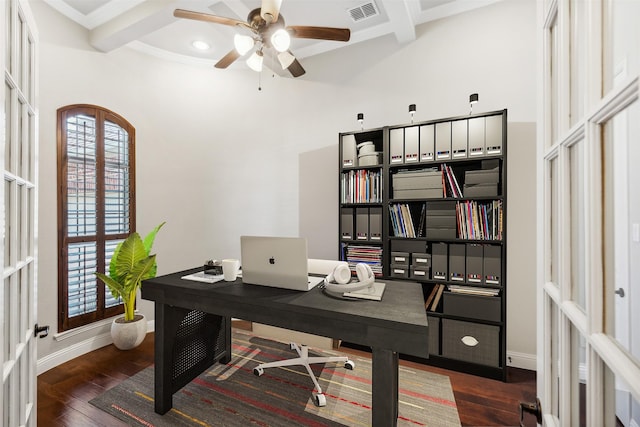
(440, 198)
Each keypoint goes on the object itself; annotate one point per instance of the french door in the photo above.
(589, 212)
(18, 133)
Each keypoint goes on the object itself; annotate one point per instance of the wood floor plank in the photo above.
(64, 392)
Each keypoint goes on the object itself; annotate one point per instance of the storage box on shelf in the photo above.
(442, 211)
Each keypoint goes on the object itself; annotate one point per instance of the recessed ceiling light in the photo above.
(200, 45)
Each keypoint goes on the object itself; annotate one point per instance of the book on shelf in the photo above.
(432, 295)
(371, 255)
(473, 290)
(436, 299)
(361, 186)
(479, 221)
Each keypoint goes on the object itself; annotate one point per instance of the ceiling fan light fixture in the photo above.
(270, 10)
(255, 61)
(281, 40)
(286, 59)
(242, 43)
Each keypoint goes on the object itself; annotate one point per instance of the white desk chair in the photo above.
(315, 266)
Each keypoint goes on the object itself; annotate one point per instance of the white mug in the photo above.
(230, 269)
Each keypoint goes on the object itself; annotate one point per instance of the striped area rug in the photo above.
(231, 395)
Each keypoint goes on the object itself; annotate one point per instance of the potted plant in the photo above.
(130, 264)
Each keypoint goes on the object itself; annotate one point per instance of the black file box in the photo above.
(362, 223)
(457, 262)
(492, 266)
(400, 271)
(480, 190)
(478, 307)
(439, 258)
(346, 223)
(375, 224)
(419, 273)
(475, 253)
(471, 342)
(419, 259)
(400, 258)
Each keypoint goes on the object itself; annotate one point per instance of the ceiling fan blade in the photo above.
(270, 10)
(228, 59)
(296, 69)
(206, 17)
(320, 33)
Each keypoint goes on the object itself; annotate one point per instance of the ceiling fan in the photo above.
(267, 30)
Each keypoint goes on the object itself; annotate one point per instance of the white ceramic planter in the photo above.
(128, 335)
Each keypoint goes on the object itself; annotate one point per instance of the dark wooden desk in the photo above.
(192, 329)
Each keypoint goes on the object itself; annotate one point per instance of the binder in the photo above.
(411, 144)
(492, 265)
(475, 254)
(476, 137)
(375, 224)
(427, 143)
(457, 261)
(346, 223)
(459, 139)
(349, 152)
(493, 135)
(362, 223)
(396, 146)
(443, 141)
(439, 255)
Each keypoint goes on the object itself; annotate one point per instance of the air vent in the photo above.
(364, 11)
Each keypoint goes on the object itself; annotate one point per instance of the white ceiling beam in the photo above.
(399, 13)
(133, 24)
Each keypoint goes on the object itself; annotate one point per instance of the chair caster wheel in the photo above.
(258, 371)
(349, 365)
(319, 399)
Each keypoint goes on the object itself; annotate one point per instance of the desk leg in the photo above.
(164, 333)
(384, 412)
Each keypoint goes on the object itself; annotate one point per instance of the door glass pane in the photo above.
(8, 113)
(555, 357)
(577, 223)
(577, 11)
(621, 233)
(8, 218)
(578, 378)
(553, 82)
(622, 42)
(554, 222)
(6, 333)
(7, 35)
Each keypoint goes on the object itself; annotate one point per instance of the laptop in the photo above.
(279, 262)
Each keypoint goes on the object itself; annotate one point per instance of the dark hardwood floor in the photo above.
(64, 392)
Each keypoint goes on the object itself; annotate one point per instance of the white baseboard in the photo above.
(521, 360)
(83, 347)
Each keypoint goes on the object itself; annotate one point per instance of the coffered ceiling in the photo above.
(149, 25)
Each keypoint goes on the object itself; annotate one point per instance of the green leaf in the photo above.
(150, 238)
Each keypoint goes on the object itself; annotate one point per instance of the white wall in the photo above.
(216, 158)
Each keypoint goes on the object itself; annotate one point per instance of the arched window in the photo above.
(96, 208)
